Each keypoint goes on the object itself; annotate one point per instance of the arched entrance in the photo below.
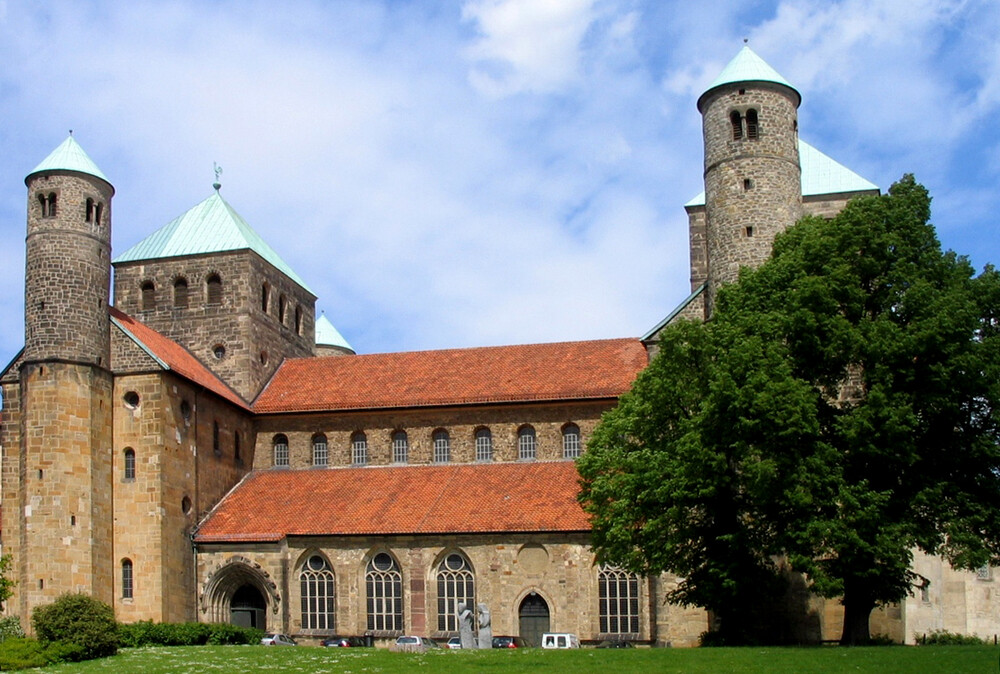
(248, 608)
(533, 619)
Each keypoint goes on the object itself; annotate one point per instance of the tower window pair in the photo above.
(48, 204)
(744, 125)
(94, 209)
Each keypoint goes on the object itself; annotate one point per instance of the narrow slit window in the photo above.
(737, 123)
(752, 127)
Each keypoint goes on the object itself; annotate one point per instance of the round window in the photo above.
(219, 351)
(316, 563)
(454, 562)
(186, 505)
(131, 399)
(382, 562)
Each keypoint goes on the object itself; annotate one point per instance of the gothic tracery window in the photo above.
(456, 584)
(317, 587)
(384, 594)
(618, 595)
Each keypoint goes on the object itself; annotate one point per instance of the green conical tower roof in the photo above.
(213, 226)
(69, 156)
(746, 66)
(327, 335)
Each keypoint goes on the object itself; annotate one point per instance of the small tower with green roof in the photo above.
(752, 173)
(57, 488)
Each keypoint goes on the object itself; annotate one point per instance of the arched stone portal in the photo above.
(240, 592)
(533, 619)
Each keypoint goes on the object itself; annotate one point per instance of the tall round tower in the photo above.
(753, 183)
(57, 490)
(68, 266)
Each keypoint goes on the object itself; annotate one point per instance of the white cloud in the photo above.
(527, 45)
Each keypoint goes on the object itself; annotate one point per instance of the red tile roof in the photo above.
(534, 372)
(176, 357)
(460, 498)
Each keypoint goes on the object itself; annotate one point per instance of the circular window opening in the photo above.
(131, 400)
(185, 409)
(316, 563)
(382, 562)
(454, 562)
(186, 505)
(263, 357)
(219, 351)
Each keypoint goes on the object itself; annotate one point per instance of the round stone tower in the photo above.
(57, 490)
(68, 267)
(753, 184)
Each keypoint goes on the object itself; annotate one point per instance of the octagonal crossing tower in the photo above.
(62, 541)
(753, 187)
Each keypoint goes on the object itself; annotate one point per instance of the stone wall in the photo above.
(548, 420)
(558, 567)
(236, 338)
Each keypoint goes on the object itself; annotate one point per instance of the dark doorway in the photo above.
(247, 608)
(533, 619)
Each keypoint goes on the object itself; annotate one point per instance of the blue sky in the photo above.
(479, 172)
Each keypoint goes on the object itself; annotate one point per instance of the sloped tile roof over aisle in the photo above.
(529, 373)
(397, 500)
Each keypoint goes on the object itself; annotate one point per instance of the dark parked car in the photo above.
(508, 642)
(343, 642)
(616, 644)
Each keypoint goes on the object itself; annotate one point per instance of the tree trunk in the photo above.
(858, 608)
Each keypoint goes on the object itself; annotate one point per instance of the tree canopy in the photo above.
(838, 411)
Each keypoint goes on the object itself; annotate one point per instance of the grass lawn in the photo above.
(249, 659)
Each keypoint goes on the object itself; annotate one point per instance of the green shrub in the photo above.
(147, 633)
(81, 620)
(10, 628)
(21, 653)
(946, 638)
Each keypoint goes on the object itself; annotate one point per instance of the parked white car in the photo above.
(560, 640)
(275, 639)
(410, 643)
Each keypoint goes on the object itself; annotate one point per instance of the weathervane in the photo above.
(218, 172)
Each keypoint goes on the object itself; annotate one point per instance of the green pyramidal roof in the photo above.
(746, 66)
(69, 156)
(210, 227)
(820, 175)
(327, 335)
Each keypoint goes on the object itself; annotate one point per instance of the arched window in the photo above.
(384, 594)
(89, 214)
(737, 123)
(214, 289)
(298, 320)
(181, 293)
(280, 450)
(148, 296)
(484, 445)
(526, 443)
(320, 453)
(400, 447)
(456, 585)
(265, 295)
(129, 469)
(318, 589)
(127, 589)
(752, 128)
(571, 441)
(618, 593)
(359, 449)
(282, 305)
(442, 446)
(48, 204)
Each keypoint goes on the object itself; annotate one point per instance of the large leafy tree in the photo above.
(839, 410)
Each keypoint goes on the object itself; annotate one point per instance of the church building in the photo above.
(205, 448)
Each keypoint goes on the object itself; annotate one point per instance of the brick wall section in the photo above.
(127, 357)
(64, 497)
(171, 432)
(828, 205)
(559, 567)
(773, 200)
(697, 237)
(460, 422)
(255, 341)
(67, 273)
